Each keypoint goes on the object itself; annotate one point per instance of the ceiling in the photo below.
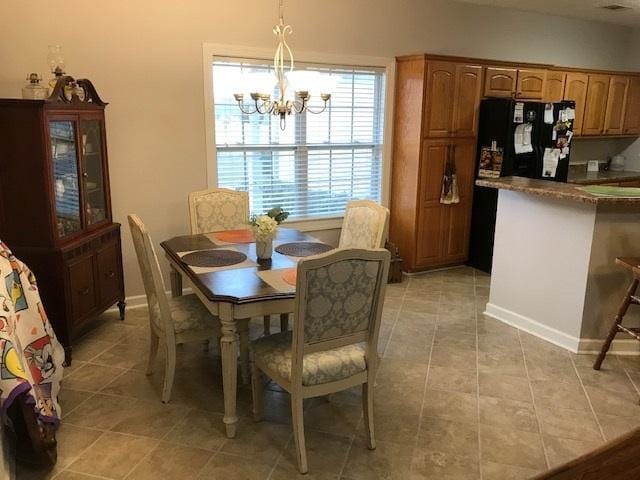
(584, 9)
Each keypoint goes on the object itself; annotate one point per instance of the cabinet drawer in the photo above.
(81, 284)
(109, 273)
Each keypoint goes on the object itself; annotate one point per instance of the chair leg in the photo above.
(267, 325)
(624, 306)
(257, 392)
(153, 352)
(169, 373)
(284, 322)
(243, 336)
(367, 407)
(298, 432)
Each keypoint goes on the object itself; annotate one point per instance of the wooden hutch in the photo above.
(55, 205)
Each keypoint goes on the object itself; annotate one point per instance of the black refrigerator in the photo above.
(524, 139)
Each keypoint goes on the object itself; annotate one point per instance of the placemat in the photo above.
(290, 275)
(608, 191)
(302, 249)
(236, 236)
(214, 258)
(274, 279)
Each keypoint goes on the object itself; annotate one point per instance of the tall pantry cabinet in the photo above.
(436, 115)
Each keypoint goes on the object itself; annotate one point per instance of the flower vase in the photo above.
(264, 249)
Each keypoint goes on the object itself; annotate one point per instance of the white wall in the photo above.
(145, 57)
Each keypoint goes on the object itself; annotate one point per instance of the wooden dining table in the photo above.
(235, 294)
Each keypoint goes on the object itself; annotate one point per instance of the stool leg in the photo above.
(624, 306)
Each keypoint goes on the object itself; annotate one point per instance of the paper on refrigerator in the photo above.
(522, 139)
(550, 162)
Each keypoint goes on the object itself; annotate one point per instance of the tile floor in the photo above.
(459, 396)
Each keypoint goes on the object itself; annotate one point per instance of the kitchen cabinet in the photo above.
(500, 81)
(631, 125)
(452, 100)
(554, 86)
(531, 84)
(576, 89)
(616, 103)
(62, 226)
(596, 104)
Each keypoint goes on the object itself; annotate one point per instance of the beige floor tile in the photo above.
(111, 330)
(458, 438)
(551, 369)
(463, 311)
(75, 365)
(33, 472)
(453, 406)
(262, 441)
(338, 419)
(457, 298)
(228, 467)
(508, 414)
(113, 455)
(326, 455)
(569, 395)
(394, 424)
(199, 429)
(413, 305)
(87, 349)
(454, 338)
(500, 471)
(504, 386)
(101, 412)
(562, 450)
(69, 475)
(453, 357)
(150, 419)
(70, 399)
(423, 294)
(127, 355)
(443, 466)
(171, 462)
(136, 384)
(605, 401)
(450, 379)
(497, 342)
(92, 378)
(73, 441)
(565, 423)
(501, 363)
(387, 461)
(615, 381)
(491, 326)
(512, 447)
(452, 324)
(613, 425)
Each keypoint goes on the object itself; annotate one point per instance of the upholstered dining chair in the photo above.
(365, 225)
(333, 345)
(218, 209)
(173, 321)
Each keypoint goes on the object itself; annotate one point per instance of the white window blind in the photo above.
(319, 162)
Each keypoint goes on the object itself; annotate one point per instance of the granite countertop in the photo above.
(546, 188)
(595, 178)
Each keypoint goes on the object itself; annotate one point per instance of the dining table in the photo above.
(236, 293)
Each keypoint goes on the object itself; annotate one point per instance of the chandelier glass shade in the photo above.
(286, 77)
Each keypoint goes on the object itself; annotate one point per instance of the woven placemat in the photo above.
(302, 249)
(214, 258)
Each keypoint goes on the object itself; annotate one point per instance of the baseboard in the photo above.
(561, 339)
(139, 301)
(533, 327)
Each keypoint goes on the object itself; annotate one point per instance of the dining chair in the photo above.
(218, 209)
(365, 225)
(333, 345)
(174, 320)
(215, 210)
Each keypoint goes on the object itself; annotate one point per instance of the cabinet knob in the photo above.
(110, 274)
(85, 175)
(84, 291)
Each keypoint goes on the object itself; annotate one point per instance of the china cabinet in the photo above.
(55, 205)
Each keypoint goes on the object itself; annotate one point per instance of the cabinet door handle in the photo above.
(84, 291)
(110, 274)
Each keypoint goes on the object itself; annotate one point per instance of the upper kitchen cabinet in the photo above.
(453, 95)
(631, 124)
(596, 104)
(576, 89)
(616, 103)
(531, 84)
(554, 86)
(500, 82)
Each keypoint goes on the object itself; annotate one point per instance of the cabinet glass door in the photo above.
(93, 174)
(65, 176)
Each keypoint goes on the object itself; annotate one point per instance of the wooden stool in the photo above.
(632, 264)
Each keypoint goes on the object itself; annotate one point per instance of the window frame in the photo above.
(212, 50)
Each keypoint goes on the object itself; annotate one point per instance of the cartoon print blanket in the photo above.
(30, 355)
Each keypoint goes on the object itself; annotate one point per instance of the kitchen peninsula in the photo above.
(554, 272)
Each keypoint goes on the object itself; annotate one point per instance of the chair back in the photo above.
(339, 298)
(365, 225)
(218, 209)
(159, 310)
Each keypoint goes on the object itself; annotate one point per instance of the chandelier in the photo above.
(282, 107)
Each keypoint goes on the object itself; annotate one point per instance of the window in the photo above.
(319, 162)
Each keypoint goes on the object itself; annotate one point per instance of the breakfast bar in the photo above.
(554, 272)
